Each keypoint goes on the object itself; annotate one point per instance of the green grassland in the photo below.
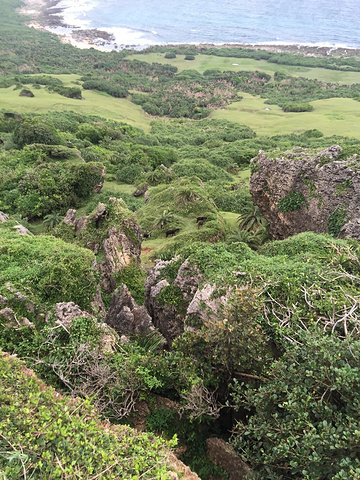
(206, 62)
(334, 116)
(93, 103)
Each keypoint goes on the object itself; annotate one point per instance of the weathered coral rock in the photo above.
(223, 455)
(139, 192)
(69, 218)
(125, 316)
(7, 313)
(323, 185)
(191, 302)
(111, 233)
(3, 300)
(66, 312)
(3, 217)
(21, 230)
(98, 187)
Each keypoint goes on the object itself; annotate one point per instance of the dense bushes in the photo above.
(107, 87)
(56, 187)
(35, 130)
(55, 437)
(305, 415)
(48, 269)
(298, 107)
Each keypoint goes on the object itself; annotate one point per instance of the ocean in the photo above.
(142, 22)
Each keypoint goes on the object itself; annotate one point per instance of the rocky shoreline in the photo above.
(46, 15)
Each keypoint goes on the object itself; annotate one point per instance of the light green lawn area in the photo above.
(230, 219)
(334, 116)
(94, 103)
(205, 62)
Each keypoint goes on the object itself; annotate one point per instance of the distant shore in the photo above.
(46, 15)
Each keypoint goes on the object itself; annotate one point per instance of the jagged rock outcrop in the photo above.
(20, 229)
(3, 217)
(141, 189)
(300, 191)
(181, 303)
(125, 316)
(67, 312)
(112, 233)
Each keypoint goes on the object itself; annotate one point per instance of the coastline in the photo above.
(45, 15)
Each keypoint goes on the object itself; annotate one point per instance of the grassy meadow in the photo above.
(334, 116)
(206, 62)
(93, 103)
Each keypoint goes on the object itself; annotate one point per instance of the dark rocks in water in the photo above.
(301, 191)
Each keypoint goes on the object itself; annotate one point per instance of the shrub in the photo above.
(58, 437)
(292, 201)
(298, 107)
(35, 130)
(305, 414)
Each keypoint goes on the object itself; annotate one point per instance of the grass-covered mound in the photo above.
(44, 435)
(46, 269)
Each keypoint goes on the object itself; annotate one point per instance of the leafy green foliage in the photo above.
(42, 436)
(48, 268)
(292, 201)
(305, 414)
(298, 107)
(336, 221)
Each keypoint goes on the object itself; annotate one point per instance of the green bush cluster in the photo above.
(292, 201)
(43, 435)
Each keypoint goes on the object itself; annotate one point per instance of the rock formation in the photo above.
(182, 303)
(112, 233)
(300, 191)
(125, 316)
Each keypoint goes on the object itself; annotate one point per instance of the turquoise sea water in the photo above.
(144, 22)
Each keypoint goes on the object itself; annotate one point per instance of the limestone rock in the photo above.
(125, 316)
(189, 302)
(7, 313)
(139, 192)
(3, 300)
(69, 218)
(21, 230)
(112, 233)
(3, 217)
(322, 184)
(223, 455)
(66, 312)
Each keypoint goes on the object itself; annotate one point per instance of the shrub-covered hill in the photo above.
(44, 435)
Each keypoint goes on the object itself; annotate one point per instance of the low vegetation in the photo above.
(275, 370)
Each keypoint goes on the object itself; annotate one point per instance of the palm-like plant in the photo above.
(164, 219)
(51, 220)
(186, 195)
(251, 219)
(254, 239)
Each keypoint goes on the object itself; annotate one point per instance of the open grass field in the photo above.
(334, 116)
(337, 116)
(205, 62)
(94, 103)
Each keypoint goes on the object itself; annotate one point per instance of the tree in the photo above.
(35, 130)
